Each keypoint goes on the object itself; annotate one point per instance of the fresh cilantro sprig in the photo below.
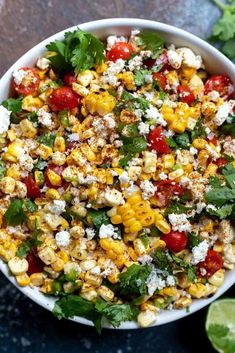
(29, 244)
(98, 217)
(152, 41)
(79, 50)
(15, 107)
(17, 211)
(47, 139)
(229, 128)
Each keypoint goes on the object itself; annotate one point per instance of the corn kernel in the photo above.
(199, 143)
(23, 280)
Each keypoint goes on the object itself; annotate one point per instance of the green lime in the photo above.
(220, 325)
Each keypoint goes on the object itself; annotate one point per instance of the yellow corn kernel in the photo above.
(58, 265)
(134, 199)
(128, 80)
(79, 89)
(37, 279)
(59, 144)
(178, 126)
(109, 178)
(117, 219)
(93, 192)
(210, 170)
(208, 109)
(128, 215)
(208, 226)
(54, 178)
(30, 103)
(44, 151)
(27, 128)
(52, 194)
(172, 77)
(7, 185)
(203, 157)
(64, 223)
(188, 168)
(120, 261)
(168, 113)
(197, 290)
(39, 177)
(168, 161)
(99, 102)
(123, 209)
(176, 174)
(105, 293)
(63, 256)
(87, 152)
(92, 279)
(15, 148)
(187, 72)
(110, 244)
(217, 278)
(11, 135)
(168, 291)
(156, 243)
(139, 247)
(199, 143)
(47, 286)
(163, 226)
(147, 220)
(13, 172)
(136, 227)
(23, 280)
(101, 68)
(8, 157)
(85, 77)
(129, 237)
(132, 254)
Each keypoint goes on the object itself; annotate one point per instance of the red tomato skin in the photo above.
(165, 191)
(221, 162)
(220, 83)
(120, 50)
(63, 98)
(33, 190)
(186, 94)
(35, 264)
(161, 79)
(69, 78)
(212, 263)
(58, 170)
(175, 241)
(31, 87)
(158, 141)
(162, 60)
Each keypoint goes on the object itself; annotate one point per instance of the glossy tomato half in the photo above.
(213, 263)
(120, 50)
(175, 241)
(33, 190)
(69, 78)
(166, 189)
(220, 83)
(158, 141)
(30, 81)
(161, 79)
(63, 98)
(186, 94)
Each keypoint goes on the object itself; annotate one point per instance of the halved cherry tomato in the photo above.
(166, 189)
(33, 190)
(220, 83)
(175, 241)
(158, 141)
(29, 84)
(120, 50)
(69, 78)
(63, 98)
(35, 264)
(221, 162)
(161, 79)
(58, 169)
(186, 94)
(212, 263)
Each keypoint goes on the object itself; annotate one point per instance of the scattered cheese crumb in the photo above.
(180, 222)
(199, 252)
(62, 238)
(4, 119)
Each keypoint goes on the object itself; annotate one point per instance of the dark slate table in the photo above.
(24, 326)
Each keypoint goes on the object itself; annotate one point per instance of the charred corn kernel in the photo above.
(112, 212)
(203, 157)
(197, 290)
(217, 278)
(9, 157)
(27, 128)
(47, 286)
(150, 162)
(13, 172)
(80, 89)
(39, 177)
(23, 280)
(52, 194)
(210, 170)
(105, 293)
(37, 279)
(157, 243)
(64, 223)
(80, 210)
(109, 178)
(172, 77)
(58, 158)
(58, 265)
(93, 192)
(187, 72)
(15, 148)
(59, 144)
(196, 84)
(188, 168)
(47, 255)
(87, 135)
(178, 126)
(168, 161)
(208, 109)
(168, 113)
(168, 291)
(128, 80)
(132, 254)
(94, 280)
(110, 244)
(11, 135)
(182, 302)
(119, 260)
(101, 68)
(88, 153)
(146, 318)
(176, 174)
(208, 226)
(136, 226)
(147, 220)
(139, 247)
(127, 223)
(199, 143)
(117, 219)
(54, 178)
(99, 102)
(44, 152)
(142, 205)
(87, 265)
(130, 237)
(63, 256)
(89, 295)
(85, 77)
(7, 185)
(18, 266)
(31, 103)
(163, 226)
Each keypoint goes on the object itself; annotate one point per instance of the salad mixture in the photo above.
(117, 177)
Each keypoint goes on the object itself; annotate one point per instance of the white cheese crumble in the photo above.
(132, 189)
(57, 207)
(90, 233)
(214, 155)
(96, 270)
(111, 40)
(108, 231)
(108, 118)
(189, 58)
(135, 63)
(145, 259)
(175, 60)
(109, 76)
(43, 63)
(148, 78)
(124, 178)
(4, 119)
(170, 281)
(19, 75)
(143, 128)
(199, 252)
(213, 96)
(180, 222)
(229, 147)
(44, 118)
(62, 238)
(193, 151)
(152, 113)
(154, 282)
(148, 189)
(222, 113)
(73, 137)
(163, 176)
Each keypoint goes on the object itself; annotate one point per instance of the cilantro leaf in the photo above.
(215, 182)
(145, 239)
(198, 131)
(189, 268)
(161, 260)
(171, 142)
(15, 213)
(183, 140)
(219, 196)
(133, 281)
(47, 139)
(224, 29)
(28, 244)
(176, 207)
(134, 102)
(228, 172)
(98, 217)
(229, 49)
(152, 41)
(137, 145)
(193, 240)
(23, 249)
(40, 165)
(222, 212)
(125, 160)
(13, 105)
(140, 77)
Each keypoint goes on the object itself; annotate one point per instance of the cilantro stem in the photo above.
(223, 6)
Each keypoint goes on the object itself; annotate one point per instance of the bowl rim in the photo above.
(130, 23)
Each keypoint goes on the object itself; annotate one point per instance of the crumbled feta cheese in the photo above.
(193, 151)
(170, 281)
(145, 259)
(135, 63)
(73, 137)
(149, 96)
(25, 161)
(168, 133)
(44, 118)
(111, 40)
(211, 207)
(189, 58)
(163, 176)
(143, 128)
(212, 152)
(175, 60)
(200, 206)
(199, 252)
(43, 63)
(213, 96)
(109, 76)
(154, 282)
(191, 123)
(72, 267)
(152, 113)
(222, 114)
(124, 178)
(132, 189)
(108, 118)
(148, 78)
(229, 147)
(148, 189)
(180, 222)
(57, 207)
(4, 119)
(62, 238)
(19, 75)
(96, 270)
(90, 233)
(108, 231)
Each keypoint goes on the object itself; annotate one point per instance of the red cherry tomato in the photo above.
(58, 170)
(221, 162)
(220, 83)
(63, 98)
(186, 94)
(158, 141)
(30, 82)
(166, 189)
(161, 79)
(120, 50)
(33, 190)
(35, 264)
(212, 263)
(175, 241)
(69, 78)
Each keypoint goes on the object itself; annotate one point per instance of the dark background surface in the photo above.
(24, 326)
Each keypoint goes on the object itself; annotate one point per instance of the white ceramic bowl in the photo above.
(215, 63)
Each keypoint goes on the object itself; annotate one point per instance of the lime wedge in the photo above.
(220, 325)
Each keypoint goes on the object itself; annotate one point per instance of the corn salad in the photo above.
(117, 177)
